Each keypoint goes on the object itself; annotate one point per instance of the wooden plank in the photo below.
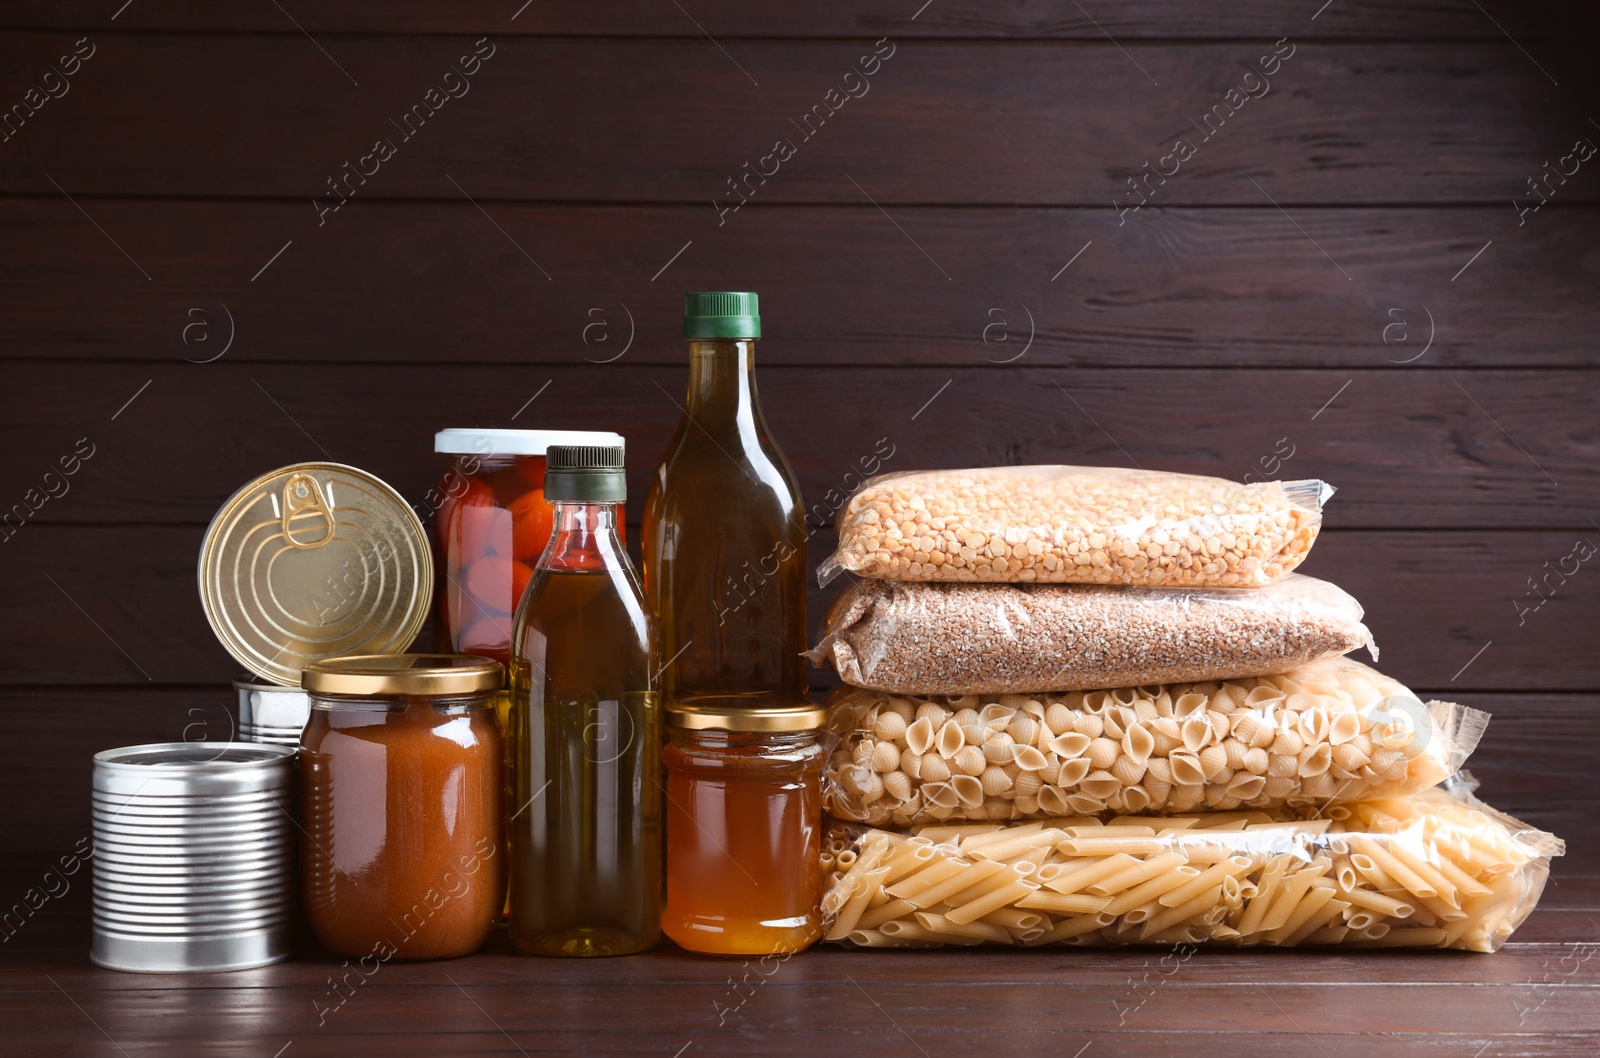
(387, 283)
(1408, 447)
(453, 1026)
(1441, 605)
(938, 999)
(655, 121)
(728, 19)
(456, 1038)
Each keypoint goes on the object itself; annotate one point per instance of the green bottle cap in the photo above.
(585, 474)
(721, 314)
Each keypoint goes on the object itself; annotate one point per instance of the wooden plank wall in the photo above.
(950, 261)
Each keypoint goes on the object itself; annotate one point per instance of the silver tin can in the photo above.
(271, 712)
(194, 856)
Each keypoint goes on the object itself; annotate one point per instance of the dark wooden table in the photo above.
(1540, 995)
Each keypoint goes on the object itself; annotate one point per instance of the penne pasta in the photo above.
(1381, 903)
(1020, 845)
(850, 913)
(1064, 904)
(936, 871)
(1403, 876)
(965, 877)
(1015, 919)
(1227, 870)
(1191, 908)
(1150, 891)
(993, 900)
(980, 931)
(1289, 898)
(1111, 846)
(1135, 873)
(887, 911)
(1431, 869)
(1090, 872)
(1075, 926)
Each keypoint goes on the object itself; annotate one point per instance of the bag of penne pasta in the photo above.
(1331, 732)
(1430, 870)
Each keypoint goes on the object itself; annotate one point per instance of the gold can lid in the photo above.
(314, 561)
(379, 674)
(699, 716)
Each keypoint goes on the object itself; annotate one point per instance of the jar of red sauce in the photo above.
(491, 524)
(402, 853)
(744, 812)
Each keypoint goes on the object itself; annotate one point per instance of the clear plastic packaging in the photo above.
(1331, 732)
(1077, 525)
(927, 638)
(1432, 870)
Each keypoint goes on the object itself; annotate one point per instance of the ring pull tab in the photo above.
(302, 500)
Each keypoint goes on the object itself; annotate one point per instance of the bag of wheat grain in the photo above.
(909, 637)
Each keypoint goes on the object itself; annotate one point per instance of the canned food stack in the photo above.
(318, 577)
(195, 866)
(1097, 706)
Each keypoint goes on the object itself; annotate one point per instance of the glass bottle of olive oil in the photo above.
(585, 825)
(724, 529)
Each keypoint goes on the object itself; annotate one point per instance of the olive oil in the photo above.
(724, 529)
(585, 809)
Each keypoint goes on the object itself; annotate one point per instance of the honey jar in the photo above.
(744, 812)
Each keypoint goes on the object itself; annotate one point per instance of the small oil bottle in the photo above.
(585, 813)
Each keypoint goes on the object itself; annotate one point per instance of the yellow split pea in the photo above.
(1082, 525)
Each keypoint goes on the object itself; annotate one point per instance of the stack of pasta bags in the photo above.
(1096, 707)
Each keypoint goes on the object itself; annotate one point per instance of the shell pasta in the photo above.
(1433, 870)
(1333, 731)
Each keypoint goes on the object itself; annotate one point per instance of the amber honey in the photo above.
(743, 819)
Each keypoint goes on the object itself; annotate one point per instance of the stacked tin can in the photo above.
(195, 865)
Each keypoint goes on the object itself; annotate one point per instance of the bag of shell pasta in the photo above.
(1077, 525)
(1331, 732)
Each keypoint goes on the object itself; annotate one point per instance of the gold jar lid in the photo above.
(313, 561)
(732, 717)
(382, 674)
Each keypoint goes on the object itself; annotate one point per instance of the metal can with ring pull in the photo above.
(314, 561)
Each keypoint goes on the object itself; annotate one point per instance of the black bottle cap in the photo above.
(585, 474)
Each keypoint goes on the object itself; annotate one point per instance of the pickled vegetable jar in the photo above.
(744, 812)
(491, 523)
(402, 805)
